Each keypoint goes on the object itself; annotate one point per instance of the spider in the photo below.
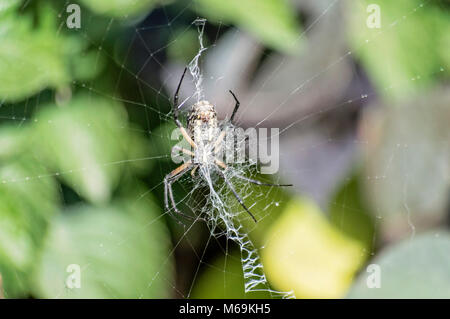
(202, 125)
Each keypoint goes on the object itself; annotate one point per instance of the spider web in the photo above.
(218, 211)
(217, 207)
(220, 214)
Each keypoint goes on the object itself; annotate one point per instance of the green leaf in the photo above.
(272, 21)
(7, 6)
(31, 57)
(417, 268)
(225, 274)
(350, 213)
(11, 141)
(406, 55)
(161, 140)
(87, 65)
(120, 8)
(121, 255)
(28, 202)
(184, 45)
(87, 143)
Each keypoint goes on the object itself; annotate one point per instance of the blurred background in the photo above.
(360, 94)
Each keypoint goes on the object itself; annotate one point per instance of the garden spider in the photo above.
(201, 134)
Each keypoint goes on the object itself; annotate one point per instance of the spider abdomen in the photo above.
(202, 122)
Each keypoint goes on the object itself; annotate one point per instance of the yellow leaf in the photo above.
(306, 254)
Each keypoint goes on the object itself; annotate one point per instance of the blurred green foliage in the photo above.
(350, 213)
(96, 144)
(411, 48)
(224, 278)
(272, 21)
(120, 8)
(414, 269)
(26, 208)
(77, 178)
(74, 147)
(118, 259)
(31, 57)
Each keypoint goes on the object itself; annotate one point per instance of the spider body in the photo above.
(203, 128)
(206, 139)
(202, 115)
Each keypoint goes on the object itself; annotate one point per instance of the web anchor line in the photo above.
(193, 66)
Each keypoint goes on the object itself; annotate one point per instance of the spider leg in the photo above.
(218, 143)
(175, 99)
(220, 163)
(185, 151)
(239, 199)
(176, 113)
(254, 181)
(236, 107)
(168, 193)
(194, 170)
